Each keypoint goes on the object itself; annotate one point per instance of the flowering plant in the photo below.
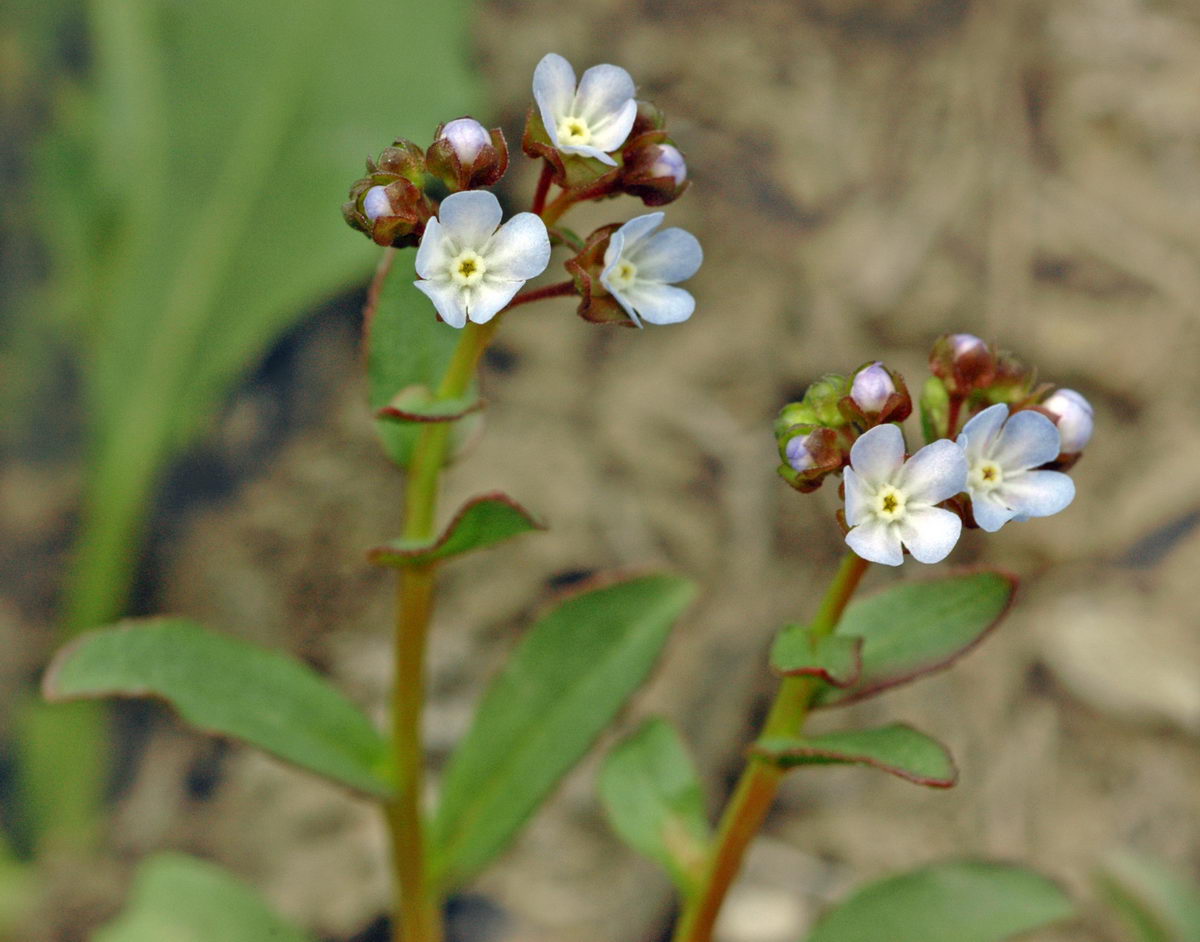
(584, 658)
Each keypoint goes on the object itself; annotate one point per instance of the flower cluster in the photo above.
(1006, 463)
(596, 140)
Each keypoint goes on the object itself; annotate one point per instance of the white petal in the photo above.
(655, 303)
(1027, 440)
(935, 473)
(858, 497)
(978, 435)
(671, 255)
(603, 93)
(554, 91)
(609, 134)
(1037, 493)
(612, 254)
(636, 230)
(470, 218)
(433, 254)
(877, 542)
(489, 298)
(519, 250)
(878, 454)
(448, 299)
(930, 533)
(583, 150)
(990, 512)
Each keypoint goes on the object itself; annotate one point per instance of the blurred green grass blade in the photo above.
(563, 684)
(652, 795)
(227, 686)
(949, 902)
(177, 898)
(1157, 903)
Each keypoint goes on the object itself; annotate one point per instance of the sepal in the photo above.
(486, 168)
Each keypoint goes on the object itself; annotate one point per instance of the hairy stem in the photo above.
(752, 798)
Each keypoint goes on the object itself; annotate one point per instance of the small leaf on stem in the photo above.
(917, 628)
(229, 687)
(835, 659)
(649, 788)
(482, 522)
(898, 750)
(962, 901)
(418, 404)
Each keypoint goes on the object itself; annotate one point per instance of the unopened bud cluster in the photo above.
(596, 140)
(997, 445)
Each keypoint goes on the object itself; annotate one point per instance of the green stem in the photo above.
(755, 791)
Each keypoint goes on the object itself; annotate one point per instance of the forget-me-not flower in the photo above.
(640, 270)
(1003, 453)
(592, 120)
(890, 501)
(469, 268)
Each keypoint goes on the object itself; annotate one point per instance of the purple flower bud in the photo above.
(1075, 419)
(965, 344)
(376, 203)
(798, 455)
(669, 162)
(467, 136)
(871, 388)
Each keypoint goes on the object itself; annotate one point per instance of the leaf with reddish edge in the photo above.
(898, 750)
(230, 687)
(418, 404)
(835, 659)
(917, 628)
(482, 522)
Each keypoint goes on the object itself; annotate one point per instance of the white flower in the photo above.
(467, 138)
(1074, 417)
(871, 387)
(1002, 453)
(594, 119)
(640, 270)
(890, 501)
(469, 268)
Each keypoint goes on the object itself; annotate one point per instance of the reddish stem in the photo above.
(560, 289)
(543, 189)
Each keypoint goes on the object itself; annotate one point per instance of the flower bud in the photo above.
(376, 203)
(963, 362)
(809, 454)
(1075, 419)
(389, 204)
(465, 155)
(871, 387)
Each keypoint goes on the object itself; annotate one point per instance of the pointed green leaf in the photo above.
(652, 794)
(408, 350)
(482, 522)
(950, 902)
(230, 687)
(898, 750)
(1157, 903)
(835, 659)
(418, 404)
(177, 898)
(564, 683)
(916, 628)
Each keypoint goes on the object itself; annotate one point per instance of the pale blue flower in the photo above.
(890, 501)
(640, 270)
(1002, 454)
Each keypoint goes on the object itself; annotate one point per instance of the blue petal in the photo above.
(930, 533)
(878, 454)
(1038, 493)
(1027, 440)
(990, 512)
(877, 542)
(978, 435)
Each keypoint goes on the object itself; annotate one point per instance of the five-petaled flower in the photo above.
(594, 119)
(640, 270)
(469, 268)
(890, 501)
(1002, 454)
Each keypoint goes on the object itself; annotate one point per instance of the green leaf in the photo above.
(564, 683)
(1157, 903)
(230, 687)
(18, 890)
(835, 659)
(408, 350)
(177, 898)
(916, 628)
(418, 404)
(897, 749)
(950, 902)
(650, 790)
(482, 522)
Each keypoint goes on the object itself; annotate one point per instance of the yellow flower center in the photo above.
(467, 269)
(623, 274)
(889, 504)
(574, 132)
(987, 476)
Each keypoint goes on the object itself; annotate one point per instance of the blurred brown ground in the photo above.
(867, 175)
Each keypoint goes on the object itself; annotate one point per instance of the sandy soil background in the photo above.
(867, 175)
